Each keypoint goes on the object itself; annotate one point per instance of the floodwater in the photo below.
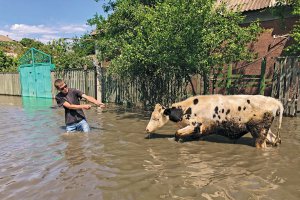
(118, 160)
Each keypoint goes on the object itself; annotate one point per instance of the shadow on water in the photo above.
(208, 138)
(157, 135)
(220, 139)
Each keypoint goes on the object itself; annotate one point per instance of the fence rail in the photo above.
(285, 85)
(83, 80)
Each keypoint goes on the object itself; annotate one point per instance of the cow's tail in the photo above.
(280, 110)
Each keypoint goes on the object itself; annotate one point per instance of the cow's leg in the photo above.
(259, 129)
(272, 138)
(191, 130)
(260, 142)
(185, 131)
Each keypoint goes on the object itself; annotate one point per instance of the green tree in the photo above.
(294, 49)
(171, 38)
(7, 64)
(84, 46)
(66, 56)
(29, 43)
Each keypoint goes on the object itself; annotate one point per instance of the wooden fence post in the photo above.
(262, 84)
(86, 83)
(228, 79)
(206, 83)
(275, 80)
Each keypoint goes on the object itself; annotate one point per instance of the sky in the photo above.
(45, 20)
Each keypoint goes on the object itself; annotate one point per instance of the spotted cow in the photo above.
(232, 116)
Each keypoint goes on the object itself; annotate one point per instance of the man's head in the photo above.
(61, 86)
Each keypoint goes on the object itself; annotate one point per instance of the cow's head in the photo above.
(161, 115)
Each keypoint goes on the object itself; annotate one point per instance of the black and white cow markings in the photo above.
(195, 101)
(228, 111)
(231, 116)
(216, 109)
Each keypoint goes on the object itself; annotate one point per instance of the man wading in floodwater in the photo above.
(69, 98)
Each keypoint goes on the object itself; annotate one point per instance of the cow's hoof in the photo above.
(277, 143)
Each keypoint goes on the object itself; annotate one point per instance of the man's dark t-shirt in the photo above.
(73, 97)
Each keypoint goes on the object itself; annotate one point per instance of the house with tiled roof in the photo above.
(4, 38)
(277, 21)
(8, 48)
(275, 36)
(248, 5)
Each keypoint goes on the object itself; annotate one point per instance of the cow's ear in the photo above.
(167, 111)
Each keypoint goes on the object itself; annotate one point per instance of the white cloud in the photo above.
(74, 28)
(2, 32)
(42, 32)
(47, 38)
(29, 29)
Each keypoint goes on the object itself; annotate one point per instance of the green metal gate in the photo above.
(35, 74)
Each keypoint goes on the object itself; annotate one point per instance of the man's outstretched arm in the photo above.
(93, 100)
(76, 107)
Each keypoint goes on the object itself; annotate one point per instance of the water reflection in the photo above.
(117, 160)
(31, 104)
(74, 152)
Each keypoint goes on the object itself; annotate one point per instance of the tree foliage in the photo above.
(171, 38)
(84, 46)
(294, 49)
(74, 54)
(29, 43)
(6, 63)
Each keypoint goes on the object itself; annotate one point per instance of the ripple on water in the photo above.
(117, 160)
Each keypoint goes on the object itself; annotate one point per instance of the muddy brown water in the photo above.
(118, 160)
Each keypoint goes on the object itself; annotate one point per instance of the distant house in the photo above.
(8, 51)
(5, 39)
(274, 38)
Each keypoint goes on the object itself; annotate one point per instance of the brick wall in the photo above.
(267, 45)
